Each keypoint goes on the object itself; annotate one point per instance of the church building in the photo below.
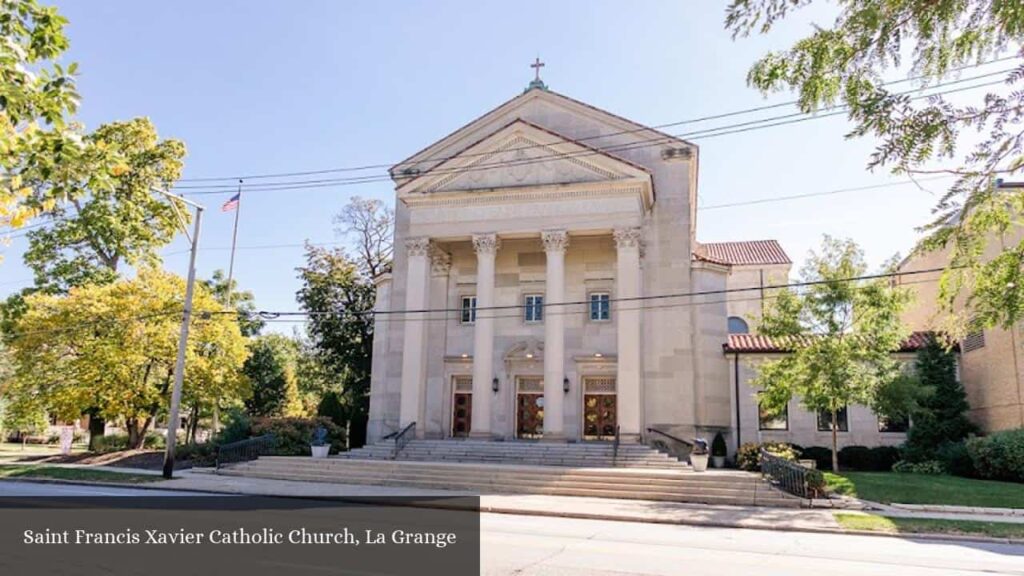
(548, 284)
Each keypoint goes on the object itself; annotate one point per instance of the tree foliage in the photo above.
(848, 62)
(271, 371)
(372, 224)
(112, 348)
(101, 228)
(43, 157)
(842, 333)
(242, 301)
(340, 327)
(942, 416)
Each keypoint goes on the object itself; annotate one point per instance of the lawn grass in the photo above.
(29, 471)
(890, 487)
(875, 523)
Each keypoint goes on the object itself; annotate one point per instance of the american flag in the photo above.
(231, 204)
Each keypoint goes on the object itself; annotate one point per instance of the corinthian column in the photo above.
(414, 342)
(555, 243)
(486, 246)
(627, 317)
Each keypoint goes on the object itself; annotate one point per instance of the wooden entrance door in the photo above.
(600, 410)
(462, 414)
(529, 415)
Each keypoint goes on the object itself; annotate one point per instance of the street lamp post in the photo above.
(186, 318)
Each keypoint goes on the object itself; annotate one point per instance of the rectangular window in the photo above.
(894, 424)
(600, 306)
(825, 421)
(533, 308)
(468, 309)
(769, 421)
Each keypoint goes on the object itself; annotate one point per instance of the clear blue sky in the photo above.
(257, 87)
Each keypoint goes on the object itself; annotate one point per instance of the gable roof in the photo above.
(754, 344)
(753, 252)
(426, 157)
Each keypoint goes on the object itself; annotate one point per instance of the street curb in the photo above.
(491, 509)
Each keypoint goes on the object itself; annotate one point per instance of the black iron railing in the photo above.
(402, 438)
(791, 477)
(669, 436)
(615, 445)
(245, 450)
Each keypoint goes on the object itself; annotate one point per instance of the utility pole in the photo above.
(186, 319)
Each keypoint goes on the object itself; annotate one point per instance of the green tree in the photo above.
(847, 62)
(842, 333)
(372, 225)
(111, 349)
(340, 327)
(242, 301)
(942, 417)
(43, 157)
(100, 229)
(270, 369)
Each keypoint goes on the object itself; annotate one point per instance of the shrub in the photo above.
(942, 417)
(749, 455)
(999, 456)
(821, 455)
(203, 454)
(955, 459)
(933, 467)
(110, 443)
(876, 459)
(294, 435)
(238, 426)
(718, 447)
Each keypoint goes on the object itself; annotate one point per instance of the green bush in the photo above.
(749, 455)
(876, 459)
(203, 454)
(955, 459)
(821, 455)
(238, 426)
(110, 443)
(295, 434)
(718, 447)
(999, 456)
(933, 467)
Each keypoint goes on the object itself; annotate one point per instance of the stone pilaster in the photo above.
(627, 318)
(486, 247)
(555, 244)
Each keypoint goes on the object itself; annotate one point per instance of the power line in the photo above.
(749, 126)
(582, 139)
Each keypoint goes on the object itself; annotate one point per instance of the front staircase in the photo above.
(633, 472)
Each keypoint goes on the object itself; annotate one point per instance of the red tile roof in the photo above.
(742, 253)
(754, 344)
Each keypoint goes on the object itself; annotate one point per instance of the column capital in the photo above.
(627, 238)
(440, 261)
(417, 246)
(555, 240)
(486, 243)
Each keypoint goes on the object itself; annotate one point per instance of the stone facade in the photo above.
(546, 198)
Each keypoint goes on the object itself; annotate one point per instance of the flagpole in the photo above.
(234, 240)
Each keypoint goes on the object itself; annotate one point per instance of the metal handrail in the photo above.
(615, 445)
(671, 437)
(791, 477)
(244, 450)
(401, 439)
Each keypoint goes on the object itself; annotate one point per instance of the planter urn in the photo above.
(718, 461)
(699, 462)
(320, 451)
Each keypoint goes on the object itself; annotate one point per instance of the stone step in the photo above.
(764, 496)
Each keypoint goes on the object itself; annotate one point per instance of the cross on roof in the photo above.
(537, 65)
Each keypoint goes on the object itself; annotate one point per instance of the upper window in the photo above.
(600, 306)
(468, 310)
(769, 421)
(738, 325)
(825, 421)
(893, 424)
(533, 308)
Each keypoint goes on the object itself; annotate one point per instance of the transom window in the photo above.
(468, 310)
(533, 308)
(600, 306)
(738, 325)
(825, 421)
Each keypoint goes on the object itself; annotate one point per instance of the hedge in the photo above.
(999, 456)
(294, 434)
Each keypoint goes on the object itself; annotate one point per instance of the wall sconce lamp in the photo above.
(565, 385)
(494, 384)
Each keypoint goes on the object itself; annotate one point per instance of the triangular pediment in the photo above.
(522, 154)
